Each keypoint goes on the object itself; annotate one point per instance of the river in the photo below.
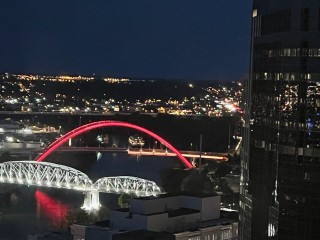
(28, 210)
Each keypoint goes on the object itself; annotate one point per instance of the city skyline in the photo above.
(142, 39)
(105, 101)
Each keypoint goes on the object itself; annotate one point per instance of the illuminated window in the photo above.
(271, 230)
(294, 52)
(254, 13)
(286, 52)
(194, 238)
(226, 234)
(309, 76)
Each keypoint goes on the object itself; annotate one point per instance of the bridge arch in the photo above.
(100, 124)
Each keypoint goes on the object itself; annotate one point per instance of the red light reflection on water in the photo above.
(50, 207)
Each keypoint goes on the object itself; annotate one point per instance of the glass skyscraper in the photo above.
(280, 178)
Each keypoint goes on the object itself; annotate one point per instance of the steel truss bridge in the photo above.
(46, 174)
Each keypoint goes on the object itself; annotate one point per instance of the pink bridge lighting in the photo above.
(100, 124)
(53, 209)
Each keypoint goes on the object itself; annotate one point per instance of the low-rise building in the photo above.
(183, 217)
(49, 236)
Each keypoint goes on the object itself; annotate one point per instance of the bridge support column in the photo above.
(193, 162)
(99, 155)
(91, 200)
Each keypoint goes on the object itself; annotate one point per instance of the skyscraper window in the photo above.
(280, 177)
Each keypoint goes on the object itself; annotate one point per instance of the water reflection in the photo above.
(121, 164)
(30, 210)
(53, 209)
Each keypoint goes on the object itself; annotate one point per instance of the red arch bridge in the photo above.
(46, 174)
(102, 124)
(40, 173)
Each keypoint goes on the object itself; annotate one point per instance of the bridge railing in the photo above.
(127, 184)
(43, 174)
(48, 174)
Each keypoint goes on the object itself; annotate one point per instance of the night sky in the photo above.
(175, 39)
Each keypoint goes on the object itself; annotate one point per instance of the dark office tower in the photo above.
(280, 179)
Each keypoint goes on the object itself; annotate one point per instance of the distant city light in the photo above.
(214, 101)
(9, 139)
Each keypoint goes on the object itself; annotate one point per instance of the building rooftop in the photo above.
(143, 235)
(181, 212)
(177, 194)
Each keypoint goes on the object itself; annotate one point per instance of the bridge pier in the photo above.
(91, 200)
(99, 155)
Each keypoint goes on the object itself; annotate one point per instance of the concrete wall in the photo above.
(78, 231)
(152, 214)
(90, 232)
(97, 233)
(209, 206)
(183, 222)
(158, 222)
(214, 232)
(119, 220)
(155, 205)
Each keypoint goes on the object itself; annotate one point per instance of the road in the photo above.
(151, 152)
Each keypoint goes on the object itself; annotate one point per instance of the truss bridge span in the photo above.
(46, 174)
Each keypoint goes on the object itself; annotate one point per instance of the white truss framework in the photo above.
(44, 174)
(127, 184)
(48, 174)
